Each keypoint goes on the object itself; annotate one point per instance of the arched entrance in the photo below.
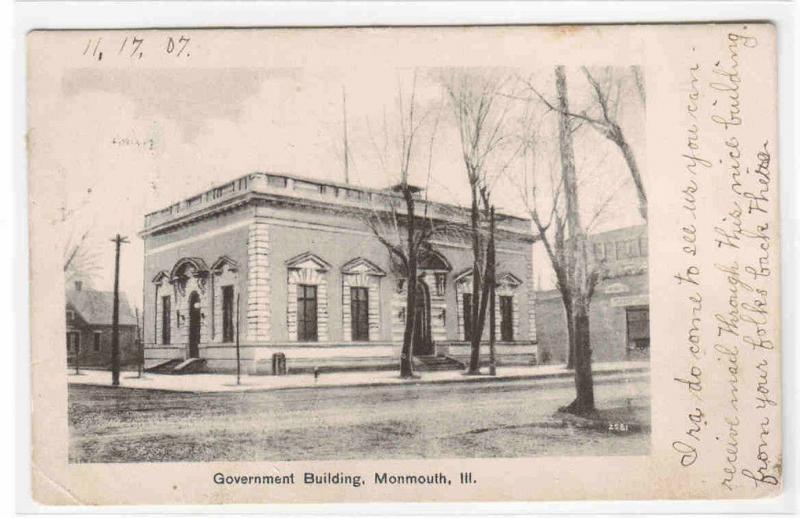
(194, 325)
(423, 345)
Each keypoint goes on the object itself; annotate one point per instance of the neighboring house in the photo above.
(619, 321)
(289, 266)
(89, 319)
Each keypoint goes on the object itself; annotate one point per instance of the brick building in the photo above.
(619, 319)
(312, 281)
(89, 320)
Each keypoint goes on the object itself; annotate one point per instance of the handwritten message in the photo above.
(727, 276)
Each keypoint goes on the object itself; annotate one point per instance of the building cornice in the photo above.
(298, 193)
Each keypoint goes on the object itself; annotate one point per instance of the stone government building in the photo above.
(313, 282)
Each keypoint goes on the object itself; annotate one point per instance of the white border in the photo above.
(162, 14)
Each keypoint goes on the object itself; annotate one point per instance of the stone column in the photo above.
(531, 296)
(258, 310)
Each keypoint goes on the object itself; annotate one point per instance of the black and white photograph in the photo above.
(308, 250)
(413, 258)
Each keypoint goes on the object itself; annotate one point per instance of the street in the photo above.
(492, 419)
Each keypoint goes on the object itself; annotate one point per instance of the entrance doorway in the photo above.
(194, 325)
(423, 345)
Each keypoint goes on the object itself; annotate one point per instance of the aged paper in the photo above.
(404, 264)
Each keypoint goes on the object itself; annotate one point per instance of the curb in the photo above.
(483, 378)
(463, 379)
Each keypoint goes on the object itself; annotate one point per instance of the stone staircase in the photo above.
(178, 366)
(163, 367)
(190, 366)
(437, 363)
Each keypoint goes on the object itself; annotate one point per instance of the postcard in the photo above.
(440, 264)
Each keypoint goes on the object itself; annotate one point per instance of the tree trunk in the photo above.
(491, 278)
(584, 385)
(407, 351)
(570, 332)
(476, 331)
(577, 274)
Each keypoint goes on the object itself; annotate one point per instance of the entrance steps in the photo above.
(437, 363)
(178, 366)
(164, 367)
(190, 366)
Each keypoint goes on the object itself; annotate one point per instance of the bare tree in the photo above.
(79, 259)
(405, 233)
(603, 117)
(564, 239)
(480, 115)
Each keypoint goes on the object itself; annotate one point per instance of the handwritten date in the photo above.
(134, 47)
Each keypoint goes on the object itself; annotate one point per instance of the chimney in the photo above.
(78, 285)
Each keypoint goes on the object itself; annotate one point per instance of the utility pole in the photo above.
(346, 147)
(118, 240)
(238, 357)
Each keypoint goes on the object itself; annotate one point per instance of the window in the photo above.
(70, 315)
(166, 324)
(506, 318)
(306, 313)
(633, 248)
(359, 314)
(620, 246)
(643, 245)
(638, 330)
(73, 342)
(441, 283)
(468, 317)
(599, 251)
(227, 313)
(96, 344)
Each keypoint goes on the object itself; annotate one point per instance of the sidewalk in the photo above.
(227, 382)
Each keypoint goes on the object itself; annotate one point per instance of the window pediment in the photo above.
(509, 279)
(161, 277)
(220, 264)
(464, 276)
(360, 265)
(308, 261)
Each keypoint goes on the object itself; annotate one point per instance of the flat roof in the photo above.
(326, 192)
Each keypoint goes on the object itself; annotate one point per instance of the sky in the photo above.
(143, 139)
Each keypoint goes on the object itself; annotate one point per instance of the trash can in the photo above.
(278, 364)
